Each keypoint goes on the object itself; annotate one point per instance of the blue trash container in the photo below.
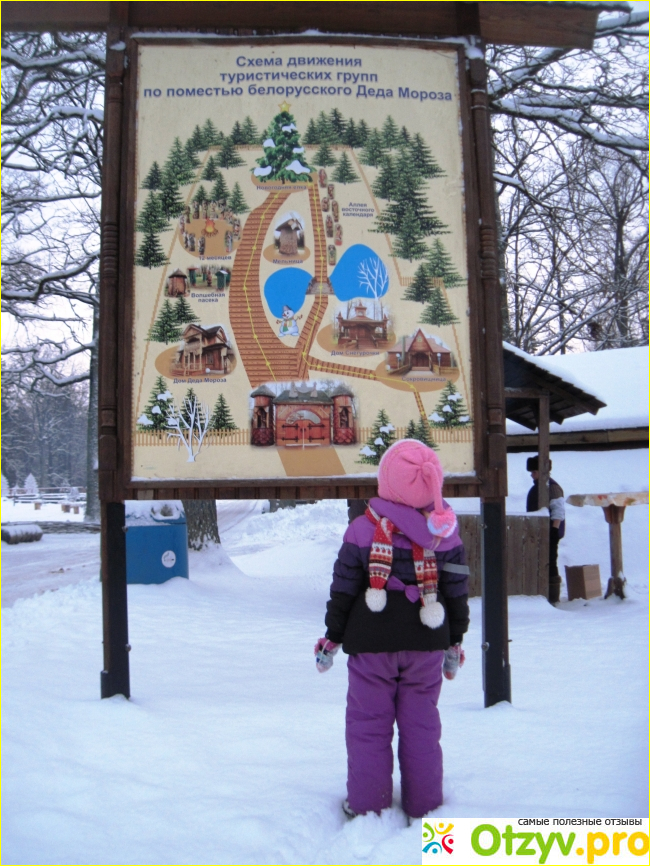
(156, 553)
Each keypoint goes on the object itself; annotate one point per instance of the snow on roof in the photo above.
(618, 377)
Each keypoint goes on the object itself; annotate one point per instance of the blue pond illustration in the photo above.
(287, 286)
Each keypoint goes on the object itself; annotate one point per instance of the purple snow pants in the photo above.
(383, 688)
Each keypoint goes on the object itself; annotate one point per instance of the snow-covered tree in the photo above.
(344, 173)
(221, 416)
(284, 157)
(451, 410)
(382, 436)
(30, 485)
(166, 328)
(236, 200)
(154, 415)
(188, 424)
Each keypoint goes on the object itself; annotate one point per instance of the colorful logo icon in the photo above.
(437, 838)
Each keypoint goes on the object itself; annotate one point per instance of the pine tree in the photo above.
(183, 313)
(385, 186)
(220, 189)
(362, 133)
(373, 152)
(170, 200)
(404, 136)
(311, 133)
(420, 288)
(249, 132)
(437, 310)
(177, 165)
(409, 192)
(228, 156)
(324, 157)
(191, 160)
(439, 265)
(409, 242)
(390, 133)
(151, 217)
(188, 399)
(150, 253)
(237, 202)
(325, 129)
(210, 171)
(351, 137)
(337, 122)
(286, 153)
(237, 135)
(451, 410)
(411, 430)
(344, 173)
(382, 436)
(165, 329)
(154, 179)
(157, 408)
(200, 195)
(210, 134)
(421, 432)
(221, 418)
(423, 160)
(197, 139)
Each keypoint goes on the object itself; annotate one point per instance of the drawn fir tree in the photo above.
(228, 156)
(409, 243)
(390, 133)
(382, 436)
(373, 151)
(423, 159)
(150, 253)
(166, 328)
(421, 431)
(183, 313)
(197, 139)
(420, 288)
(152, 217)
(437, 310)
(210, 170)
(191, 160)
(440, 266)
(385, 185)
(236, 134)
(283, 154)
(249, 132)
(154, 179)
(337, 124)
(154, 415)
(177, 166)
(211, 136)
(170, 199)
(324, 156)
(200, 195)
(219, 191)
(221, 418)
(236, 200)
(451, 410)
(344, 173)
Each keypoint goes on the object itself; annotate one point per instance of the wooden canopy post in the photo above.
(614, 515)
(543, 445)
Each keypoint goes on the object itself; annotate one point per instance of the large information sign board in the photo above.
(302, 288)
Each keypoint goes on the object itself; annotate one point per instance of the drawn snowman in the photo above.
(288, 323)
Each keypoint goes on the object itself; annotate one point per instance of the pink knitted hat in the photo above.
(410, 473)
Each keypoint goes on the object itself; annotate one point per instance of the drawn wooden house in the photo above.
(204, 349)
(177, 284)
(419, 352)
(303, 417)
(361, 330)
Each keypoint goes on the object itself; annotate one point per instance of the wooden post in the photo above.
(115, 675)
(543, 445)
(614, 515)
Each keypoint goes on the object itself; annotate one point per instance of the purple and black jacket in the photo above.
(398, 627)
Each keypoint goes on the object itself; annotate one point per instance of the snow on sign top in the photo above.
(280, 225)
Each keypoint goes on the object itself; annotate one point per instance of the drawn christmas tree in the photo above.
(249, 132)
(183, 313)
(385, 185)
(421, 431)
(219, 191)
(423, 159)
(351, 136)
(324, 156)
(200, 195)
(382, 436)
(170, 199)
(211, 169)
(221, 418)
(177, 165)
(228, 156)
(197, 139)
(409, 243)
(236, 134)
(337, 124)
(362, 133)
(440, 266)
(191, 159)
(390, 133)
(404, 136)
(451, 410)
(283, 154)
(166, 328)
(325, 130)
(154, 179)
(410, 192)
(152, 218)
(154, 416)
(211, 136)
(420, 288)
(373, 151)
(437, 310)
(344, 173)
(236, 201)
(311, 133)
(150, 253)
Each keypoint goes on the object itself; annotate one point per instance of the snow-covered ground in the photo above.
(20, 512)
(232, 750)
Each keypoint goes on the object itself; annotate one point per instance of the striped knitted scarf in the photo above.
(381, 561)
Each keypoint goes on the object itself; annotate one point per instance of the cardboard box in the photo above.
(583, 581)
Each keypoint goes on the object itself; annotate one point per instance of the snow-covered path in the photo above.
(232, 747)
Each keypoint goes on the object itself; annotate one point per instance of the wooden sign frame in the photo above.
(116, 321)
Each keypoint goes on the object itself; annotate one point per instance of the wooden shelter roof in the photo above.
(523, 375)
(570, 25)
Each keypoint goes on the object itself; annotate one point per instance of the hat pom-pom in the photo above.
(432, 614)
(442, 523)
(376, 599)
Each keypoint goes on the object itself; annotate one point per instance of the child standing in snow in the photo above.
(398, 606)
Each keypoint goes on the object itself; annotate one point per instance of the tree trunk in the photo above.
(91, 514)
(202, 528)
